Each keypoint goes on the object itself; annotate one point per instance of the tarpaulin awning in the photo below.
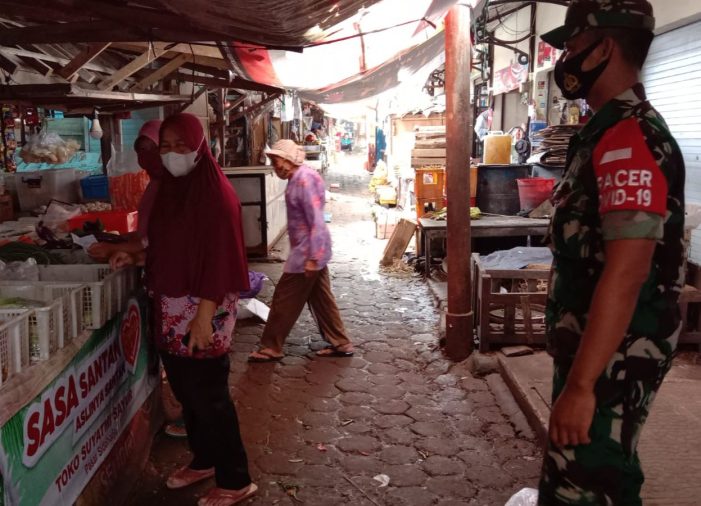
(398, 40)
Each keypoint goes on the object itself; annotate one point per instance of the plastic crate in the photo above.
(14, 345)
(95, 188)
(36, 189)
(51, 326)
(123, 222)
(429, 183)
(105, 292)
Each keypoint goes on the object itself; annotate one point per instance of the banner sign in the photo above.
(52, 447)
(510, 78)
(546, 55)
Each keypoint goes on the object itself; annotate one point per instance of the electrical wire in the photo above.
(312, 44)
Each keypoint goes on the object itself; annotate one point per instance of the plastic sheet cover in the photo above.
(517, 258)
(399, 39)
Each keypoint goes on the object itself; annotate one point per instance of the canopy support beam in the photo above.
(460, 318)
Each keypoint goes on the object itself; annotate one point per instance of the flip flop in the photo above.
(224, 497)
(332, 351)
(269, 357)
(184, 477)
(176, 430)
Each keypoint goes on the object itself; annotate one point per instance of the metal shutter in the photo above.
(672, 77)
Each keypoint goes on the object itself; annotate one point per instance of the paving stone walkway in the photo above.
(319, 430)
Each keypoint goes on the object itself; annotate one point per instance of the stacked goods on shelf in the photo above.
(553, 142)
(429, 147)
(8, 140)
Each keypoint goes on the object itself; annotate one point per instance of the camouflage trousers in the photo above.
(607, 471)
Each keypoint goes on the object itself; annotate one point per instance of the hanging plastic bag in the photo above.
(127, 181)
(123, 160)
(524, 497)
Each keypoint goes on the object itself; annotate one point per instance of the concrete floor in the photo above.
(670, 448)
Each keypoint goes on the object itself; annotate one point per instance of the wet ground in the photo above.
(323, 431)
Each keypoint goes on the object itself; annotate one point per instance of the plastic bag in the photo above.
(127, 190)
(123, 160)
(57, 215)
(524, 497)
(48, 148)
(19, 271)
(256, 281)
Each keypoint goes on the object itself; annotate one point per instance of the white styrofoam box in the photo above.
(51, 326)
(14, 345)
(106, 292)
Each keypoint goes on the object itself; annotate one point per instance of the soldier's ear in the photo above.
(606, 48)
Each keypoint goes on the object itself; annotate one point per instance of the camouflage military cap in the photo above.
(586, 14)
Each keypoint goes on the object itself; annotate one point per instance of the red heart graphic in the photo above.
(130, 335)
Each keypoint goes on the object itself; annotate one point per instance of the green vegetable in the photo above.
(20, 303)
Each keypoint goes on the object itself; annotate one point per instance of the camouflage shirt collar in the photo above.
(614, 111)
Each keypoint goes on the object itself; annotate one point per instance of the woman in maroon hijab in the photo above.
(195, 267)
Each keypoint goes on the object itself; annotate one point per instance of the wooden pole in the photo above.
(459, 319)
(222, 126)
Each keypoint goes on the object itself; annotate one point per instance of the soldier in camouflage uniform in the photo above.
(617, 239)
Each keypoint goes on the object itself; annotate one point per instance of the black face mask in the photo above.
(572, 80)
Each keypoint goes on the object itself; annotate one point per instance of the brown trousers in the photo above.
(292, 292)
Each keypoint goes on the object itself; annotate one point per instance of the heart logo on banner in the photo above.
(130, 335)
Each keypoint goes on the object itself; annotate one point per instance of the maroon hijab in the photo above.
(151, 163)
(195, 233)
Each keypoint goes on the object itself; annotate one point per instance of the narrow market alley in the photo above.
(322, 431)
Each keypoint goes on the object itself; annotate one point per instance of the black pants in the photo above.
(201, 386)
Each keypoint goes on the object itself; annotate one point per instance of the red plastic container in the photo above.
(123, 222)
(534, 191)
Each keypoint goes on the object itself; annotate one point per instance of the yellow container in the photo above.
(497, 149)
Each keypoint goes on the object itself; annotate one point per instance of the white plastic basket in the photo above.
(51, 326)
(106, 292)
(14, 345)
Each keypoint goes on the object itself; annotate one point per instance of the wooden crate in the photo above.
(509, 305)
(384, 230)
(401, 237)
(429, 183)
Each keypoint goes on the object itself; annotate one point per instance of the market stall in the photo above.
(78, 389)
(79, 397)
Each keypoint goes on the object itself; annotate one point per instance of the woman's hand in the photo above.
(121, 260)
(201, 334)
(200, 328)
(102, 251)
(310, 268)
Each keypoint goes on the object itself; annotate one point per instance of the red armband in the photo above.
(628, 177)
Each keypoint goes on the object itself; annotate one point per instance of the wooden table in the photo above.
(486, 226)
